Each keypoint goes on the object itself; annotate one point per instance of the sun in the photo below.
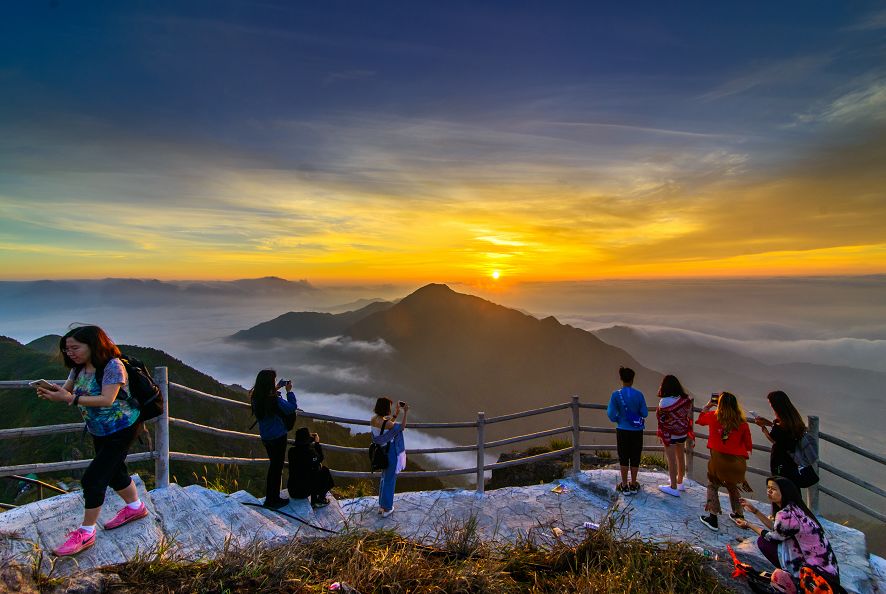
(495, 274)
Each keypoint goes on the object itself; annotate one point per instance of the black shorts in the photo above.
(630, 446)
(678, 440)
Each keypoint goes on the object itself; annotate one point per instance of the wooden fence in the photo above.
(162, 455)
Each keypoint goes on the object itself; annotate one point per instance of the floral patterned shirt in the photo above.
(104, 420)
(801, 542)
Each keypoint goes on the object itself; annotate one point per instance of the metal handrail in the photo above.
(162, 455)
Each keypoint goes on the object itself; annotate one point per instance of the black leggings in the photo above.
(630, 446)
(108, 468)
(276, 449)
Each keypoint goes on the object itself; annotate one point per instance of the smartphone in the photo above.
(715, 397)
(43, 384)
(752, 415)
(401, 404)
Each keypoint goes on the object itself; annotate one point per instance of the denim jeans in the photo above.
(388, 482)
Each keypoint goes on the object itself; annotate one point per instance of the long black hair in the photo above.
(101, 348)
(788, 416)
(671, 386)
(790, 493)
(264, 393)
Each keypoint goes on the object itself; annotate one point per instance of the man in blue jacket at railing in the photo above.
(627, 408)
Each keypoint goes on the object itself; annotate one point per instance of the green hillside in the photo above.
(23, 409)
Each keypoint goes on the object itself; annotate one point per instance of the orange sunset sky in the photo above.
(453, 142)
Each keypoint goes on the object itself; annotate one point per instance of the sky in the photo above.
(447, 141)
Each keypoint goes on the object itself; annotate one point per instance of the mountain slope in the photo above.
(455, 354)
(307, 324)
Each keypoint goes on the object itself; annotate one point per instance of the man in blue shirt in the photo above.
(627, 408)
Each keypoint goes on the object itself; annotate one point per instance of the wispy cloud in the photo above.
(866, 104)
(873, 21)
(778, 72)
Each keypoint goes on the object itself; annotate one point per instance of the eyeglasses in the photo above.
(73, 349)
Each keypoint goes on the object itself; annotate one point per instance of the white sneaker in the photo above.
(681, 487)
(667, 489)
(387, 513)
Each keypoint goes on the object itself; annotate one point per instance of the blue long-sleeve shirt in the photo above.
(272, 427)
(634, 401)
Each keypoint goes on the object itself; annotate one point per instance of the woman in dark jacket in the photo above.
(307, 475)
(269, 410)
(784, 433)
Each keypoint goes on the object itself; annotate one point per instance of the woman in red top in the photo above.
(729, 442)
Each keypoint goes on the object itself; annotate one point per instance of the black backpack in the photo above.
(378, 454)
(143, 390)
(288, 418)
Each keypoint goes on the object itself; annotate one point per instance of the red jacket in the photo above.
(738, 443)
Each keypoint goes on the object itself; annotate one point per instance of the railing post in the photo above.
(812, 492)
(481, 453)
(689, 451)
(576, 437)
(161, 462)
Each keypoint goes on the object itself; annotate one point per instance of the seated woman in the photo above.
(307, 475)
(794, 539)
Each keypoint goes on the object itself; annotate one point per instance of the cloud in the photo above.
(777, 72)
(349, 345)
(873, 21)
(866, 105)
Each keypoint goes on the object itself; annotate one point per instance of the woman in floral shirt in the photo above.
(111, 417)
(793, 537)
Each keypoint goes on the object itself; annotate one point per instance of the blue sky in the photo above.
(413, 138)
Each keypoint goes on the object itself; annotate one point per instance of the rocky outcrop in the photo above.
(196, 522)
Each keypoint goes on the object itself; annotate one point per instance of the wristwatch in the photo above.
(76, 400)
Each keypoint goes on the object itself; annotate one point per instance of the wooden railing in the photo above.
(162, 455)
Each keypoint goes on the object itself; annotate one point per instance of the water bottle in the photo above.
(707, 553)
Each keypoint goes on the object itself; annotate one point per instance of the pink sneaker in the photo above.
(78, 540)
(126, 515)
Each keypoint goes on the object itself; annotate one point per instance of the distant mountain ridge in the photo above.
(453, 354)
(462, 353)
(308, 324)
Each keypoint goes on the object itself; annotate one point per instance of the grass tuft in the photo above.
(384, 562)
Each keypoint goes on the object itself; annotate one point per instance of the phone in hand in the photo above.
(715, 397)
(401, 404)
(42, 383)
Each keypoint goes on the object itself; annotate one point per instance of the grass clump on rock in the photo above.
(384, 562)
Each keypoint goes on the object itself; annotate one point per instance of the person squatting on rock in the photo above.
(308, 477)
(627, 408)
(271, 411)
(793, 540)
(674, 416)
(729, 442)
(112, 419)
(387, 432)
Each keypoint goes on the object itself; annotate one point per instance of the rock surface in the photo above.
(195, 522)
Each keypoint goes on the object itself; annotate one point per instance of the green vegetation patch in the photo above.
(383, 562)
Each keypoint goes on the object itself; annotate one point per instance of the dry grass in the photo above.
(383, 562)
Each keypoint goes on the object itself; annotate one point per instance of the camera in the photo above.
(401, 404)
